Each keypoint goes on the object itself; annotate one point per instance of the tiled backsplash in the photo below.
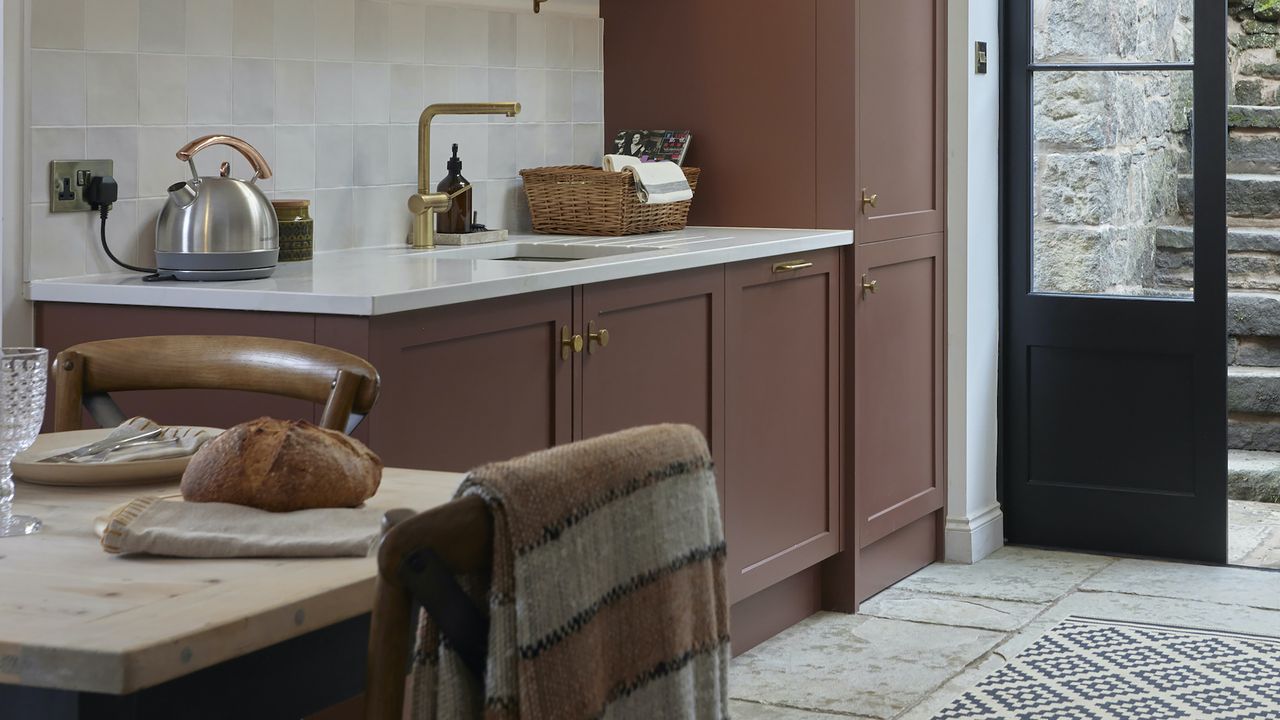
(328, 90)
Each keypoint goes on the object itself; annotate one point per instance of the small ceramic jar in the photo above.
(296, 229)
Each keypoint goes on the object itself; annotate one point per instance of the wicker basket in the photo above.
(585, 200)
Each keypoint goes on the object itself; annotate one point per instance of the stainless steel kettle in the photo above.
(218, 227)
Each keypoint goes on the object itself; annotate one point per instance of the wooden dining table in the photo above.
(85, 634)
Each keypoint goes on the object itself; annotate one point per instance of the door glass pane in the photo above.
(1112, 30)
(1112, 183)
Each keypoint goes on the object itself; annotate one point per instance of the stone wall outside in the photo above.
(1108, 145)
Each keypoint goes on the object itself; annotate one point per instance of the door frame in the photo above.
(1210, 287)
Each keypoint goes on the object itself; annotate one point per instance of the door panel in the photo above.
(901, 117)
(473, 387)
(1114, 390)
(899, 371)
(664, 361)
(782, 374)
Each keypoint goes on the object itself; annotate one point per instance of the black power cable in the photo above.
(101, 193)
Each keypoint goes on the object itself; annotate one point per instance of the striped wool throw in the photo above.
(607, 597)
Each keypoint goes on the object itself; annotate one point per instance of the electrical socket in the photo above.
(68, 179)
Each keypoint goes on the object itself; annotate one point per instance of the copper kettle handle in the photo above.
(259, 164)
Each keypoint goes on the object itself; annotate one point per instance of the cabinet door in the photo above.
(665, 357)
(898, 431)
(901, 117)
(469, 384)
(782, 404)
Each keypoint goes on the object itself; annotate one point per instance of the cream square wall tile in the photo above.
(295, 157)
(559, 148)
(372, 96)
(372, 27)
(335, 29)
(111, 25)
(57, 242)
(587, 90)
(406, 93)
(162, 89)
(209, 89)
(113, 88)
(328, 90)
(333, 92)
(332, 211)
(559, 107)
(119, 144)
(295, 92)
(254, 91)
(252, 33)
(295, 29)
(335, 154)
(57, 24)
(559, 42)
(408, 24)
(587, 44)
(502, 39)
(209, 27)
(162, 26)
(372, 156)
(58, 95)
(52, 144)
(531, 41)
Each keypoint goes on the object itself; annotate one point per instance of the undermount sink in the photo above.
(541, 252)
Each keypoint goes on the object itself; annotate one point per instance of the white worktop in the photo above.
(385, 280)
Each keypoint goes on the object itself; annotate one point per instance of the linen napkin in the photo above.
(170, 527)
(657, 183)
(172, 442)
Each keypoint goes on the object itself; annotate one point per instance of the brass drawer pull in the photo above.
(791, 266)
(569, 343)
(868, 286)
(596, 338)
(868, 200)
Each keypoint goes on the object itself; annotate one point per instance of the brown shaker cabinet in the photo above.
(900, 125)
(782, 377)
(474, 383)
(654, 353)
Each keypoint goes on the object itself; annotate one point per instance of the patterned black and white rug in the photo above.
(1088, 669)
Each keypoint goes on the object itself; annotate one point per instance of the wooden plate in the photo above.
(138, 472)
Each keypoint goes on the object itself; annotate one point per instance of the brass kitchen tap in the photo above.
(425, 203)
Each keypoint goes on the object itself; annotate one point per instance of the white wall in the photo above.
(15, 313)
(975, 525)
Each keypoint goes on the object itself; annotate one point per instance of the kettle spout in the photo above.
(182, 194)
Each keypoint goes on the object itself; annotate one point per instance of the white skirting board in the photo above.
(970, 539)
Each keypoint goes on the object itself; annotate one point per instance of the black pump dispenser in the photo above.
(457, 219)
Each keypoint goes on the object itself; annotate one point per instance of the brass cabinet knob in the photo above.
(868, 200)
(868, 286)
(570, 343)
(596, 338)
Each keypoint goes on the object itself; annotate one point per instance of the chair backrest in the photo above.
(88, 372)
(459, 537)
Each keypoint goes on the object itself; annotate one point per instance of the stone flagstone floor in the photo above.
(1254, 534)
(919, 645)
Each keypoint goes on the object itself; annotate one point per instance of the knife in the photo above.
(108, 443)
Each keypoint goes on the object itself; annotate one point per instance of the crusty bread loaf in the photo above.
(281, 466)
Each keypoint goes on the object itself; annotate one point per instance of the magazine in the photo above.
(654, 145)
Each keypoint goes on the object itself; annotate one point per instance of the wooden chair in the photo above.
(85, 374)
(417, 559)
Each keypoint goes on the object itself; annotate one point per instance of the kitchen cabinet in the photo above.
(469, 384)
(782, 378)
(664, 357)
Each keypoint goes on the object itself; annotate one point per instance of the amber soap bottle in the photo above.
(458, 218)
